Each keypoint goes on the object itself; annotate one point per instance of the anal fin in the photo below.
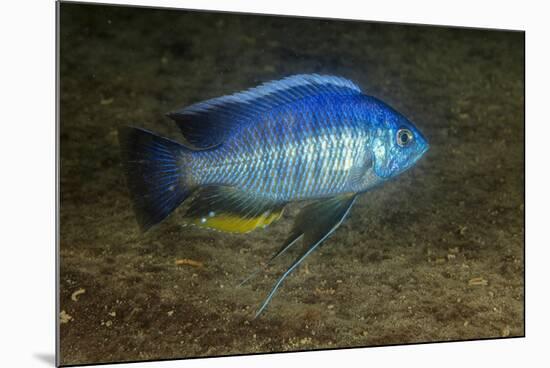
(230, 209)
(315, 223)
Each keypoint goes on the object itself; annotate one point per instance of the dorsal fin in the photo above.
(208, 123)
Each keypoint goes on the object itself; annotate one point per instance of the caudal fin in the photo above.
(155, 173)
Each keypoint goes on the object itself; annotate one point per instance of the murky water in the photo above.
(434, 255)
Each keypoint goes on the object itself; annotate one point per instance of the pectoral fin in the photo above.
(315, 223)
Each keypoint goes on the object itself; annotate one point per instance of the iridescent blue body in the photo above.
(306, 149)
(316, 147)
(305, 137)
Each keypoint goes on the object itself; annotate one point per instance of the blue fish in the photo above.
(247, 155)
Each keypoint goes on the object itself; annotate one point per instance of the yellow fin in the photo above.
(232, 223)
(230, 209)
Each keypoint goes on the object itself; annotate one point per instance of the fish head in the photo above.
(397, 144)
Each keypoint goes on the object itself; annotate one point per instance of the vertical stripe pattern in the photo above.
(306, 149)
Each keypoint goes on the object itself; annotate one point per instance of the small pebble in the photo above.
(478, 281)
(106, 101)
(76, 294)
(65, 317)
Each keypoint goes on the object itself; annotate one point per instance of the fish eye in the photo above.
(404, 137)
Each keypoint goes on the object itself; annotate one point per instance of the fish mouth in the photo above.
(421, 154)
(424, 150)
(415, 159)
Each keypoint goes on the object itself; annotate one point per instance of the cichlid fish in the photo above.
(305, 137)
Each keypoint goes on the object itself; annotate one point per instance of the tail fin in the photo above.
(154, 173)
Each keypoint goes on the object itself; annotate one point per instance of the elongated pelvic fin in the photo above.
(315, 223)
(229, 209)
(286, 246)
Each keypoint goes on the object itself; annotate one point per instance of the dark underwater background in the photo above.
(436, 254)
